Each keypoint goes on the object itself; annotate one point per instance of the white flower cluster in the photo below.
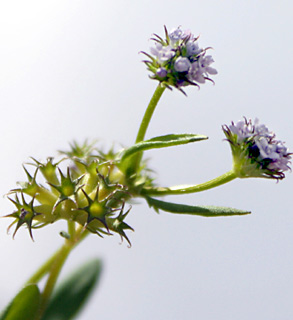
(179, 61)
(263, 148)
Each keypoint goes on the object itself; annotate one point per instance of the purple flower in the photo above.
(201, 69)
(241, 129)
(177, 34)
(180, 57)
(182, 64)
(163, 53)
(162, 73)
(192, 48)
(256, 152)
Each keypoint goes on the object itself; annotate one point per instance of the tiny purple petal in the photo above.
(267, 150)
(176, 34)
(211, 70)
(155, 50)
(165, 54)
(242, 129)
(261, 129)
(192, 48)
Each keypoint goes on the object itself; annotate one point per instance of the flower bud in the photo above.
(92, 192)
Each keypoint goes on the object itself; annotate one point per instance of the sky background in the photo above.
(72, 70)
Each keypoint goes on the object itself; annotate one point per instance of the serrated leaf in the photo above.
(204, 211)
(72, 294)
(24, 306)
(168, 140)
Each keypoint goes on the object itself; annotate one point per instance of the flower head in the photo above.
(256, 152)
(178, 61)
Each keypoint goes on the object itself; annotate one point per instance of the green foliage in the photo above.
(168, 140)
(24, 306)
(73, 293)
(204, 211)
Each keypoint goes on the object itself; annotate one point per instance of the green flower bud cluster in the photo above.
(92, 192)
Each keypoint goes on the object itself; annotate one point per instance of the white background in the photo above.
(71, 70)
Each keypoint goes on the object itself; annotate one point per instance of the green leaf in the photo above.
(168, 140)
(72, 294)
(204, 211)
(24, 306)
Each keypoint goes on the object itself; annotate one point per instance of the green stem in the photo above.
(44, 269)
(54, 273)
(226, 177)
(54, 265)
(144, 125)
(149, 112)
(44, 196)
(71, 229)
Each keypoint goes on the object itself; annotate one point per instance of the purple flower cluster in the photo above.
(267, 157)
(178, 60)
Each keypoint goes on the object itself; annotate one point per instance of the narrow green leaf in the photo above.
(24, 306)
(204, 211)
(168, 140)
(72, 294)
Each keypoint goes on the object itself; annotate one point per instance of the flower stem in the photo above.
(44, 269)
(149, 112)
(144, 125)
(52, 279)
(226, 177)
(71, 229)
(54, 265)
